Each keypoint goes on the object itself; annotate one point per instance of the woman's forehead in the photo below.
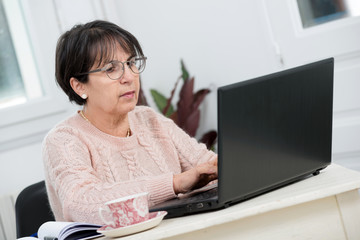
(110, 53)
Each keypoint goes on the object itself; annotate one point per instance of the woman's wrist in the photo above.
(175, 184)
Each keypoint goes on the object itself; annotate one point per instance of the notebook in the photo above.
(273, 130)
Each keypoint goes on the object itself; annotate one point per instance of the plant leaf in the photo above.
(185, 73)
(199, 97)
(174, 117)
(209, 139)
(192, 123)
(184, 105)
(168, 102)
(160, 101)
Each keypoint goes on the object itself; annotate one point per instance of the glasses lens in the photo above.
(114, 70)
(137, 65)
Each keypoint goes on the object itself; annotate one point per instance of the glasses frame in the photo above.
(103, 69)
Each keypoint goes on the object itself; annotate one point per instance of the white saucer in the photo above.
(154, 220)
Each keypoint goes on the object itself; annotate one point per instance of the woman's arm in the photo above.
(199, 165)
(190, 151)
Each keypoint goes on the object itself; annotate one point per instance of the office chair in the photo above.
(32, 209)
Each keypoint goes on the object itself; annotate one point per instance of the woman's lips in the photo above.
(129, 94)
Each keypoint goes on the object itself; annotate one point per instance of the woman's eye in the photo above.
(130, 63)
(110, 69)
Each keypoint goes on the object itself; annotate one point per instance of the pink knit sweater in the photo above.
(84, 167)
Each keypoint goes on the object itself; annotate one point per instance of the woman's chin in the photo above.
(128, 107)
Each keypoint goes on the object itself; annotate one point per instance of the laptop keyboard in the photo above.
(212, 193)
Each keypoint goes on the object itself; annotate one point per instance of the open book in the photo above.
(68, 230)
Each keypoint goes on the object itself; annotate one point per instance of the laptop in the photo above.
(273, 130)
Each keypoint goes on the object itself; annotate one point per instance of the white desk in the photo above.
(326, 206)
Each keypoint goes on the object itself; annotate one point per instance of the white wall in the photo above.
(20, 167)
(339, 39)
(221, 42)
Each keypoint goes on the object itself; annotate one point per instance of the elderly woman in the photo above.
(113, 148)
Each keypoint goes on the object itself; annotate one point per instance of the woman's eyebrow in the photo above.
(130, 57)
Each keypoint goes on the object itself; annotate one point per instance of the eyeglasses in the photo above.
(115, 69)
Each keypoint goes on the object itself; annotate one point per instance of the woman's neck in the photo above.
(112, 124)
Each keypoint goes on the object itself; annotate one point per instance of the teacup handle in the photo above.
(107, 210)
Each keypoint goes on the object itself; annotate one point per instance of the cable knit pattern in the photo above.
(84, 167)
(154, 153)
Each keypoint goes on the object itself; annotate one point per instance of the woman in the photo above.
(113, 148)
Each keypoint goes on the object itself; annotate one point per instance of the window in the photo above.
(30, 101)
(315, 12)
(19, 80)
(11, 85)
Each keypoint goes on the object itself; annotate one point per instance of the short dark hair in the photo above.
(87, 44)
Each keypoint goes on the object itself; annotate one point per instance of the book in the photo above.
(68, 231)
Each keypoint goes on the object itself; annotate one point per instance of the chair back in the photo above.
(32, 209)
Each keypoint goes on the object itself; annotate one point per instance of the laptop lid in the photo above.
(273, 130)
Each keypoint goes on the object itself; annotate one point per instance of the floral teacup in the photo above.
(126, 211)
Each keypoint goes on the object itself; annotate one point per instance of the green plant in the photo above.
(187, 112)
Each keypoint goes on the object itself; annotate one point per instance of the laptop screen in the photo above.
(274, 129)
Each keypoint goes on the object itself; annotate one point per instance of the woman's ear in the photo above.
(77, 86)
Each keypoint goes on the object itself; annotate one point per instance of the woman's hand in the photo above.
(196, 177)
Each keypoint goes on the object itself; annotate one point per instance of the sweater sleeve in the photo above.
(75, 189)
(191, 152)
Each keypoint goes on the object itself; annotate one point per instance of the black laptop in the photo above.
(272, 131)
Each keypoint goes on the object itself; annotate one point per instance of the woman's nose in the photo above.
(128, 76)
